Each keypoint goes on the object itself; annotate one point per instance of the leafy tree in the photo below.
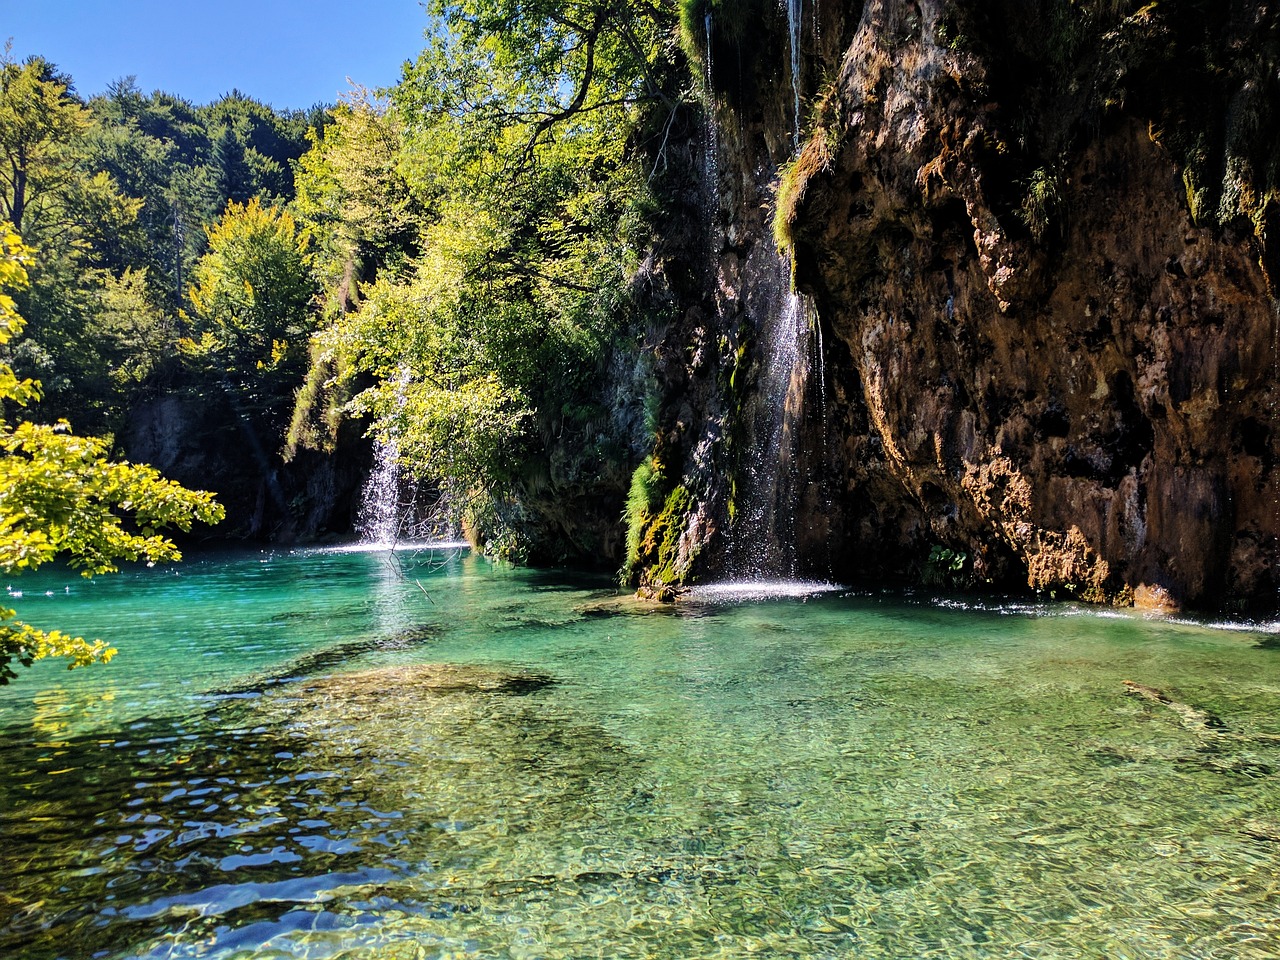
(61, 496)
(354, 197)
(488, 347)
(137, 332)
(254, 147)
(156, 149)
(40, 123)
(78, 223)
(253, 297)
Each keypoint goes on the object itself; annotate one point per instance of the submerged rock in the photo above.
(391, 684)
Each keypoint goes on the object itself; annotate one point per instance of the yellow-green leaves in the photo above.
(253, 290)
(61, 497)
(40, 123)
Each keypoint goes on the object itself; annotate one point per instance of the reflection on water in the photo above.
(536, 770)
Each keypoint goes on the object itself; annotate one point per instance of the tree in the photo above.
(253, 294)
(509, 152)
(61, 497)
(40, 123)
(353, 196)
(80, 227)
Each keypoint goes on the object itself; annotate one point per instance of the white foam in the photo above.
(1051, 609)
(748, 590)
(401, 546)
(1238, 626)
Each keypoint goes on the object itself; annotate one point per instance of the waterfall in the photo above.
(788, 377)
(394, 506)
(706, 23)
(396, 509)
(795, 23)
(379, 518)
(711, 147)
(762, 543)
(1275, 429)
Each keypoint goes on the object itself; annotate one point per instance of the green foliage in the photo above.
(40, 124)
(252, 297)
(114, 197)
(464, 432)
(184, 163)
(944, 567)
(320, 406)
(1042, 205)
(477, 237)
(643, 500)
(137, 332)
(60, 496)
(355, 199)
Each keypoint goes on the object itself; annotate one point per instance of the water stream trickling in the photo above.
(1275, 429)
(381, 510)
(763, 538)
(710, 150)
(795, 23)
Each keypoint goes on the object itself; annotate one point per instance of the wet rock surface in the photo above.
(1092, 406)
(1038, 264)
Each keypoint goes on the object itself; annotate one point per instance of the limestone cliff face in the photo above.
(1036, 241)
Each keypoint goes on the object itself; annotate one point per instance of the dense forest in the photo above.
(447, 264)
(554, 267)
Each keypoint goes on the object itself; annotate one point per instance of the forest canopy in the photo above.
(447, 265)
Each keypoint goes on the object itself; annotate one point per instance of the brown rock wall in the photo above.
(1091, 409)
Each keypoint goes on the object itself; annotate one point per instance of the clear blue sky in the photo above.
(288, 53)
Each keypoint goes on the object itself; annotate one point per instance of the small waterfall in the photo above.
(1275, 435)
(763, 539)
(396, 509)
(380, 514)
(711, 145)
(394, 506)
(819, 363)
(706, 23)
(795, 23)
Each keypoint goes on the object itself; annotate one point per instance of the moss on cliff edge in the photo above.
(657, 516)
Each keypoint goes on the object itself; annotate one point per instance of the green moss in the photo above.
(318, 408)
(662, 538)
(643, 501)
(817, 157)
(693, 30)
(657, 516)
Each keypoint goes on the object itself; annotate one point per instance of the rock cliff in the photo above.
(1036, 243)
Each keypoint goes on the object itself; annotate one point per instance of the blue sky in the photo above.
(289, 53)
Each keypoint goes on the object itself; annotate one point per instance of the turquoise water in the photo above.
(337, 755)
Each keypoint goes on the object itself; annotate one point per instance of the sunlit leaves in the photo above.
(469, 433)
(353, 195)
(40, 124)
(61, 497)
(252, 290)
(512, 135)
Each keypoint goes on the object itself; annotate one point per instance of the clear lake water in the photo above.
(350, 754)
